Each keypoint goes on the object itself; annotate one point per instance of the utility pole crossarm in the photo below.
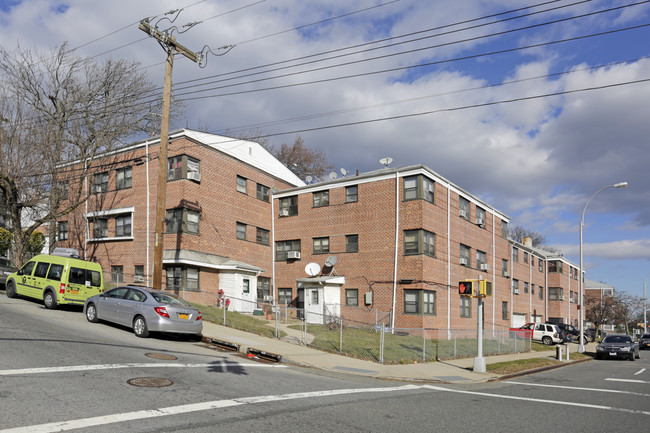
(169, 41)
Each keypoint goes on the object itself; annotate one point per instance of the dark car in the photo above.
(144, 310)
(644, 341)
(593, 333)
(618, 346)
(6, 268)
(570, 333)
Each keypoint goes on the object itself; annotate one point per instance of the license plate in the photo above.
(612, 353)
(74, 292)
(183, 316)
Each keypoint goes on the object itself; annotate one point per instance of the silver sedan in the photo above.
(144, 310)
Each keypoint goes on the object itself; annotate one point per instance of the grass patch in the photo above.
(245, 322)
(510, 367)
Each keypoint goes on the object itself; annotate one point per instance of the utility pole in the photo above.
(168, 42)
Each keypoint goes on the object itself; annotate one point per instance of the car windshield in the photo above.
(170, 299)
(645, 336)
(617, 339)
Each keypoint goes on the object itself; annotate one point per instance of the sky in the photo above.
(533, 106)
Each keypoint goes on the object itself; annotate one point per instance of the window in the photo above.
(241, 184)
(525, 286)
(241, 231)
(264, 287)
(515, 286)
(532, 289)
(515, 254)
(117, 274)
(100, 182)
(525, 257)
(541, 292)
(124, 178)
(351, 243)
(465, 258)
(289, 206)
(283, 247)
(183, 167)
(321, 198)
(285, 296)
(314, 297)
(504, 229)
(540, 265)
(262, 236)
(504, 267)
(62, 232)
(555, 294)
(138, 275)
(100, 228)
(321, 245)
(532, 261)
(182, 278)
(419, 302)
(182, 221)
(465, 306)
(63, 190)
(246, 285)
(351, 194)
(463, 206)
(55, 272)
(481, 259)
(41, 269)
(419, 187)
(504, 311)
(262, 192)
(352, 297)
(123, 225)
(555, 266)
(480, 216)
(419, 242)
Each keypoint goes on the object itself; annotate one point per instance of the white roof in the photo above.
(248, 152)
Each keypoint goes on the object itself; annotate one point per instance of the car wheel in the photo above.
(49, 300)
(10, 290)
(140, 327)
(91, 313)
(547, 340)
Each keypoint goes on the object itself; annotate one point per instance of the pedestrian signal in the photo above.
(465, 288)
(485, 288)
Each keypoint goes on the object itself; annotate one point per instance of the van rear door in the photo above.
(82, 284)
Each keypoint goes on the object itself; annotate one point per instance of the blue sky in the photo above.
(534, 132)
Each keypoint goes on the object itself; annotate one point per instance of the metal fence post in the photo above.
(455, 348)
(424, 345)
(341, 335)
(381, 344)
(224, 314)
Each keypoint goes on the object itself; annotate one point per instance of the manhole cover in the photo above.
(150, 382)
(161, 356)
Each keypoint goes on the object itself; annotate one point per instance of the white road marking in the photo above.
(540, 400)
(208, 405)
(627, 380)
(578, 388)
(639, 372)
(69, 368)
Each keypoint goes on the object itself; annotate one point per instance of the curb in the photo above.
(538, 370)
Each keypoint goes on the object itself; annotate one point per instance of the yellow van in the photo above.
(56, 280)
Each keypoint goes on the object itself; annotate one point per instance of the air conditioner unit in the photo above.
(480, 222)
(464, 261)
(506, 274)
(98, 189)
(293, 255)
(194, 175)
(485, 267)
(463, 213)
(561, 297)
(284, 212)
(138, 279)
(268, 298)
(516, 291)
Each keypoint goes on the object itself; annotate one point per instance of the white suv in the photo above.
(544, 332)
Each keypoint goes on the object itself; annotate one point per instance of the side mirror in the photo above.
(20, 272)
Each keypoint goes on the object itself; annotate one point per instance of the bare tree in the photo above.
(519, 233)
(57, 109)
(600, 310)
(626, 308)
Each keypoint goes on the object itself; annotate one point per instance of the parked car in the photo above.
(644, 341)
(6, 268)
(144, 310)
(594, 333)
(618, 346)
(546, 333)
(569, 333)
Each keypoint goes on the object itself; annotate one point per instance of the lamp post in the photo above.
(645, 307)
(581, 346)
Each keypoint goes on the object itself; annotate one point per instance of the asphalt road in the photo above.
(58, 372)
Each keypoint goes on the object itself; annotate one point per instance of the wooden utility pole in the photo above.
(168, 42)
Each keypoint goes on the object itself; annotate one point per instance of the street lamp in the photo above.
(645, 307)
(581, 346)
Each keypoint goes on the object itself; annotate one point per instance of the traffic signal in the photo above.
(485, 288)
(465, 288)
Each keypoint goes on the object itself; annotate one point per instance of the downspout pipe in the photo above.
(396, 249)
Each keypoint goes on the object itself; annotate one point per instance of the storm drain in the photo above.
(162, 356)
(150, 382)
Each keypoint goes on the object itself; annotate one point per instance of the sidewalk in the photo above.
(449, 371)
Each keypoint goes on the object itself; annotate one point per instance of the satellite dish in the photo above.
(386, 161)
(333, 175)
(331, 261)
(309, 179)
(344, 172)
(312, 269)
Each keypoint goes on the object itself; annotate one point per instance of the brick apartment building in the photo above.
(396, 240)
